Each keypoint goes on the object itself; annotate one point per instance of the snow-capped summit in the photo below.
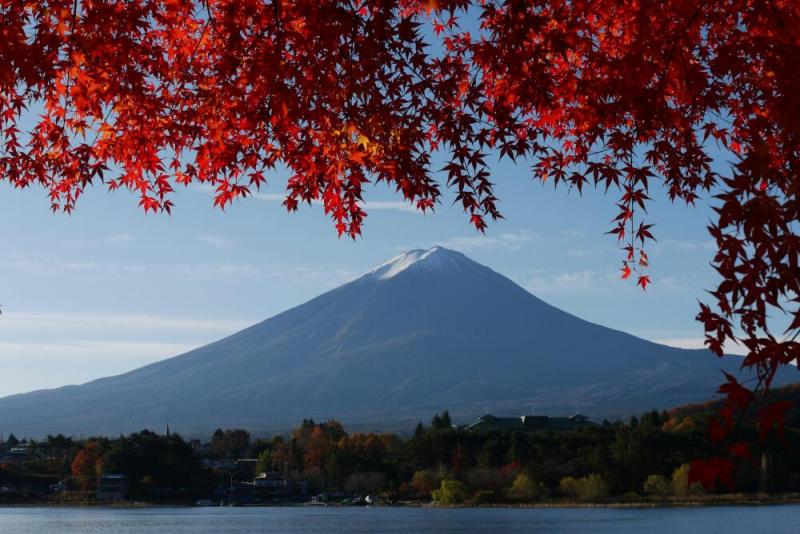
(434, 259)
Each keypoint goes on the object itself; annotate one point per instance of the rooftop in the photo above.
(530, 423)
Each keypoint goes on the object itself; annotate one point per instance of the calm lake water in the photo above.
(772, 519)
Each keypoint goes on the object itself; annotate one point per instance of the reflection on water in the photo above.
(722, 519)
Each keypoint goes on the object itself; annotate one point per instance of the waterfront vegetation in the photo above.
(643, 460)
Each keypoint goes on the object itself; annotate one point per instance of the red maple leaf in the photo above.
(741, 449)
(773, 415)
(712, 471)
(736, 393)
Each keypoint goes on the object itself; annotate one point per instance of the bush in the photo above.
(680, 483)
(526, 490)
(588, 488)
(450, 492)
(630, 496)
(657, 485)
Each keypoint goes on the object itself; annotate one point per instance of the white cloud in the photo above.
(396, 205)
(94, 321)
(684, 246)
(214, 240)
(680, 244)
(369, 205)
(23, 263)
(671, 284)
(193, 271)
(506, 240)
(270, 197)
(578, 253)
(287, 273)
(77, 265)
(50, 349)
(203, 188)
(586, 282)
(592, 282)
(570, 233)
(36, 365)
(119, 239)
(88, 349)
(698, 343)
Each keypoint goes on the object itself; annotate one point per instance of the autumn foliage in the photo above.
(87, 465)
(698, 99)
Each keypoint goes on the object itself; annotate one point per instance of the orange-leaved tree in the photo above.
(87, 465)
(147, 94)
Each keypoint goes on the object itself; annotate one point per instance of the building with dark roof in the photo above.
(530, 423)
(111, 487)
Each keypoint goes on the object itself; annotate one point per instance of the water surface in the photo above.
(96, 520)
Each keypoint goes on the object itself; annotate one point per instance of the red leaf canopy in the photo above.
(147, 94)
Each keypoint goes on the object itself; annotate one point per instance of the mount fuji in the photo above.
(427, 330)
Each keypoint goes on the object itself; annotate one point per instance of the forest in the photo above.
(643, 459)
(695, 101)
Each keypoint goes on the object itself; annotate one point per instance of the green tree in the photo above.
(151, 461)
(446, 421)
(657, 485)
(230, 443)
(526, 490)
(588, 488)
(680, 482)
(218, 443)
(436, 421)
(450, 492)
(652, 418)
(264, 463)
(419, 430)
(442, 421)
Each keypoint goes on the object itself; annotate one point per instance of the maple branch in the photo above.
(70, 50)
(674, 48)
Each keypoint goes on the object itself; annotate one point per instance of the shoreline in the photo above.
(739, 500)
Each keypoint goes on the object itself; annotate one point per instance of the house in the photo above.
(271, 480)
(59, 487)
(220, 465)
(21, 450)
(247, 467)
(111, 487)
(529, 423)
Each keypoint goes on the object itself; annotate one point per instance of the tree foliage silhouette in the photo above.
(148, 94)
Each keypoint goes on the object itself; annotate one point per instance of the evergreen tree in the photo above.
(419, 431)
(442, 421)
(446, 421)
(436, 421)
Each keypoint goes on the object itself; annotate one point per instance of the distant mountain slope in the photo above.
(789, 393)
(424, 331)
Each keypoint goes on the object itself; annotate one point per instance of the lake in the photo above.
(96, 520)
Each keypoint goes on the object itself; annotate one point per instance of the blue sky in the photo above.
(109, 288)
